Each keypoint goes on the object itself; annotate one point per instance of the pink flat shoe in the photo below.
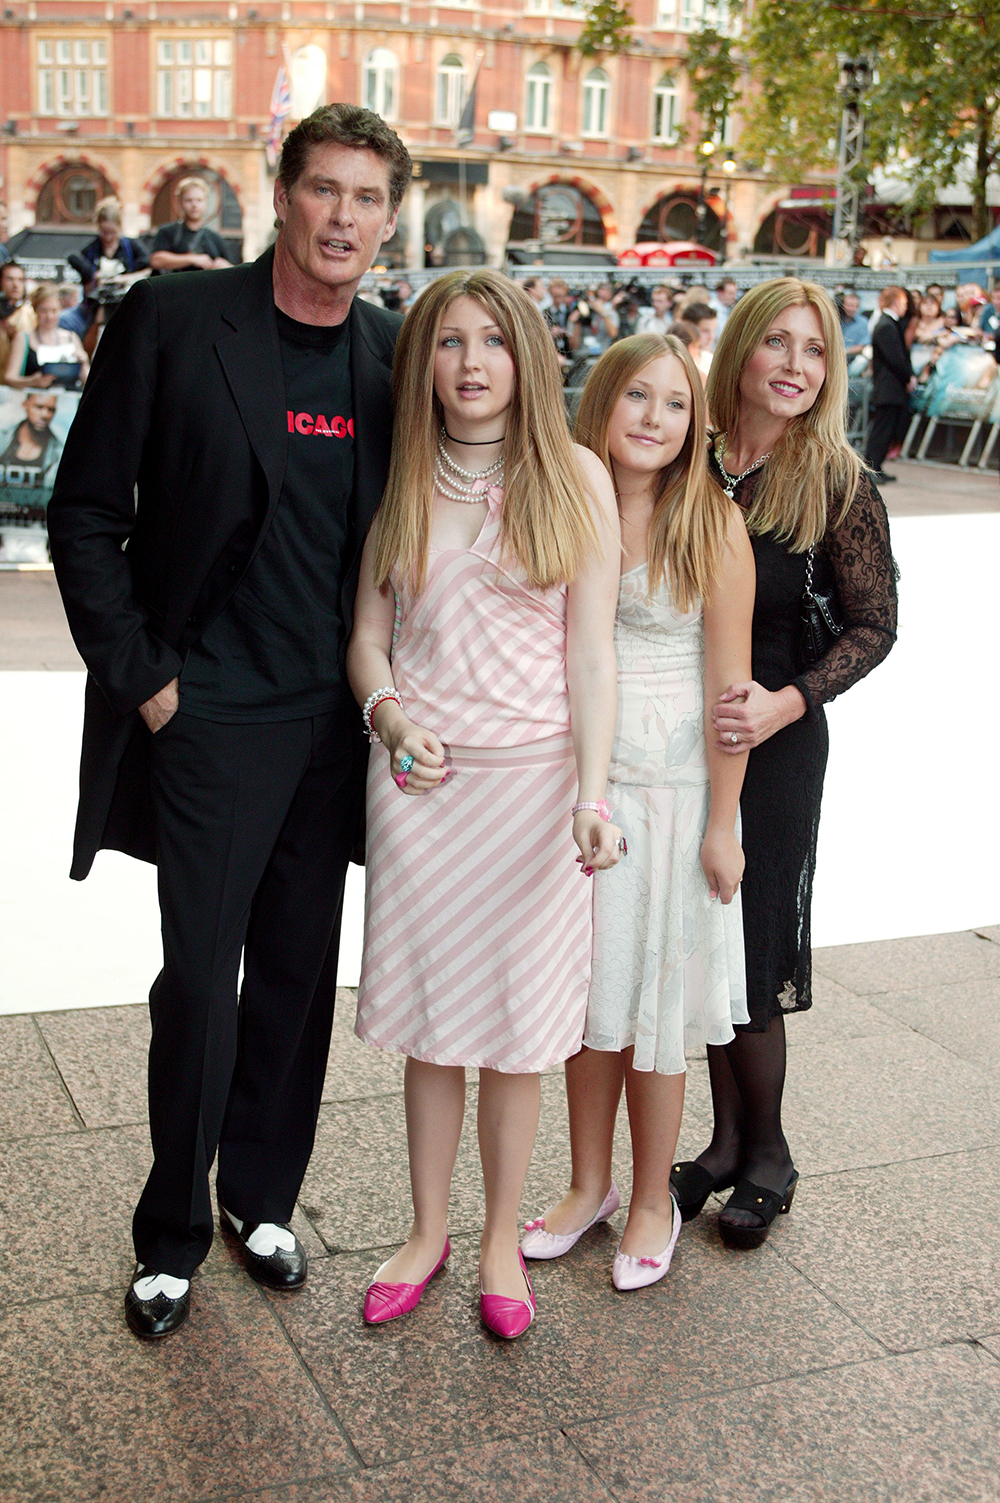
(538, 1243)
(636, 1273)
(388, 1301)
(507, 1317)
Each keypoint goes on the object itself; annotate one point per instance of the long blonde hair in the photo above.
(546, 522)
(812, 475)
(687, 531)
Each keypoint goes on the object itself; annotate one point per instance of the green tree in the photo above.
(608, 28)
(932, 113)
(715, 72)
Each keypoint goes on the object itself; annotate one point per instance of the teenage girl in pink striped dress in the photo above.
(495, 555)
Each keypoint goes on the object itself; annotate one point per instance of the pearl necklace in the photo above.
(459, 484)
(730, 482)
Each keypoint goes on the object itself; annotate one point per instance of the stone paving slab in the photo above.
(91, 1413)
(963, 1018)
(911, 1252)
(33, 1098)
(436, 1380)
(902, 964)
(854, 1358)
(914, 1429)
(530, 1469)
(883, 1099)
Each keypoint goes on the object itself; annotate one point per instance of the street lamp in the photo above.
(707, 151)
(728, 167)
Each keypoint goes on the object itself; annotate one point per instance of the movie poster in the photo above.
(962, 388)
(33, 429)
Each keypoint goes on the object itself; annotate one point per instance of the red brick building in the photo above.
(100, 96)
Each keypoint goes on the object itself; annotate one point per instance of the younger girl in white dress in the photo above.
(668, 970)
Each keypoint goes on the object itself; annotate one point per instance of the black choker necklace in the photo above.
(473, 443)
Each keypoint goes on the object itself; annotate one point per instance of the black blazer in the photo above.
(891, 367)
(170, 476)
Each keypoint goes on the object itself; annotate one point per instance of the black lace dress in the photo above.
(780, 803)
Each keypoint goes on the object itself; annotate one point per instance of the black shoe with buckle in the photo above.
(764, 1204)
(157, 1315)
(691, 1184)
(283, 1268)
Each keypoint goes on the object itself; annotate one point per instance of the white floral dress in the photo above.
(669, 972)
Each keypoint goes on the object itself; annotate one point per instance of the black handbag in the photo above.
(822, 619)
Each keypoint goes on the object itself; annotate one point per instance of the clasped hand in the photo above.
(598, 841)
(404, 739)
(753, 713)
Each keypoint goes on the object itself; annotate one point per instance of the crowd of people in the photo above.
(48, 334)
(898, 347)
(347, 583)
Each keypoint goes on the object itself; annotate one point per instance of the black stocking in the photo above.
(748, 1078)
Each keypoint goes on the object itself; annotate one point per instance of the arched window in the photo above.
(538, 98)
(450, 94)
(666, 110)
(381, 82)
(596, 91)
(71, 194)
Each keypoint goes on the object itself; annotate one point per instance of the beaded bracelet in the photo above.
(371, 705)
(602, 809)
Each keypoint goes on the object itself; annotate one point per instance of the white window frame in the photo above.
(666, 16)
(380, 83)
(538, 99)
(449, 90)
(575, 10)
(194, 77)
(71, 74)
(666, 104)
(595, 115)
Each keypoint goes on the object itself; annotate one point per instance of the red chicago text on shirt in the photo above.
(305, 423)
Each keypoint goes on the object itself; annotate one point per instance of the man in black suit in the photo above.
(249, 411)
(892, 381)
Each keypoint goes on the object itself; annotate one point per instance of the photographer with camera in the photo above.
(593, 324)
(107, 266)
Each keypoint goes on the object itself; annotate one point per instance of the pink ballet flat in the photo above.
(636, 1273)
(507, 1317)
(538, 1243)
(389, 1301)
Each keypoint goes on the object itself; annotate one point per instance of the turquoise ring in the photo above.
(405, 764)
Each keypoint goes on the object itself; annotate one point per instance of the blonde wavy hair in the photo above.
(687, 531)
(812, 476)
(546, 522)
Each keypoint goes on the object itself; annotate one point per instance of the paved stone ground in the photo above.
(854, 1358)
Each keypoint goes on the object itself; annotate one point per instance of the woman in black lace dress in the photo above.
(778, 395)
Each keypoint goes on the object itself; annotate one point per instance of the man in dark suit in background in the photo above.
(250, 412)
(892, 381)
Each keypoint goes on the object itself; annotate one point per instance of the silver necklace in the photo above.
(730, 482)
(459, 484)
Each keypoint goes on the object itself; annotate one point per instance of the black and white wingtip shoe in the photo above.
(156, 1303)
(272, 1254)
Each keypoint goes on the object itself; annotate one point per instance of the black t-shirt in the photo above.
(181, 241)
(274, 652)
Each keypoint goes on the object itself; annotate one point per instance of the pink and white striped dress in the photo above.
(477, 919)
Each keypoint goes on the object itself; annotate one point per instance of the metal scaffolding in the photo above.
(856, 75)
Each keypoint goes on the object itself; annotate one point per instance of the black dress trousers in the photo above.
(889, 425)
(254, 827)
